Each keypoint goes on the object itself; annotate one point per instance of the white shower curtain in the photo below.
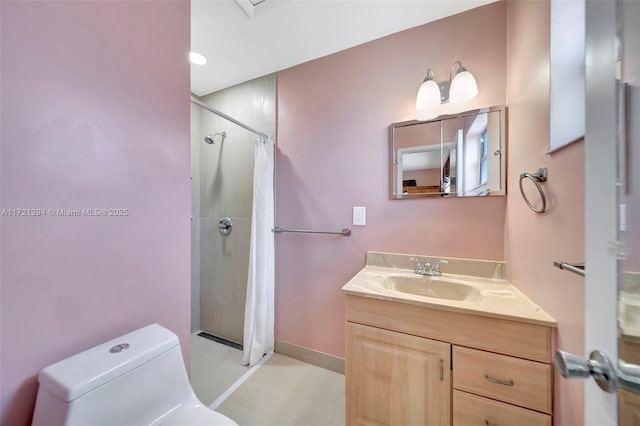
(259, 309)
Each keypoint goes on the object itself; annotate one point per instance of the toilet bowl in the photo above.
(137, 379)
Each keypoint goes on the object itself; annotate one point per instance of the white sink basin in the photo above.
(436, 287)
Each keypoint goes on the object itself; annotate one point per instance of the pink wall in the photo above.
(95, 114)
(532, 241)
(333, 118)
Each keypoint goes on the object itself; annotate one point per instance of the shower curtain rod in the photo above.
(226, 117)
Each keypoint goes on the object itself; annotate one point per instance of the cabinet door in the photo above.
(396, 379)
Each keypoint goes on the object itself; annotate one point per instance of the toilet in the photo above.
(137, 379)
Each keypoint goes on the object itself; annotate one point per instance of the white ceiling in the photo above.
(284, 33)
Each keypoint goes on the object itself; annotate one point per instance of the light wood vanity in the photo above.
(424, 362)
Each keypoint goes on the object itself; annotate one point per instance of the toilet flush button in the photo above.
(119, 348)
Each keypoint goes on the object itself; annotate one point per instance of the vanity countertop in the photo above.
(498, 298)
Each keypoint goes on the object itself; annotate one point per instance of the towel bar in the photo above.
(279, 229)
(576, 268)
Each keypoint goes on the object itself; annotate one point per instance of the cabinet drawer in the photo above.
(473, 410)
(517, 381)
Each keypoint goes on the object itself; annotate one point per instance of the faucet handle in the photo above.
(418, 269)
(436, 269)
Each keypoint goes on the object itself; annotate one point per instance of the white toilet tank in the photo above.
(136, 379)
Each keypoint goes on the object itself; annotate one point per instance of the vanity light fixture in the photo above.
(197, 58)
(461, 87)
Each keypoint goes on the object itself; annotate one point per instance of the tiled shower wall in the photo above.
(224, 188)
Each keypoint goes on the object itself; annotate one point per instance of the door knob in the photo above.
(572, 366)
(598, 366)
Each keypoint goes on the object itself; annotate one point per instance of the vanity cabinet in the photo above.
(496, 371)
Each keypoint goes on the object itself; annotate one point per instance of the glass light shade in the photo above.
(428, 114)
(463, 87)
(428, 95)
(197, 58)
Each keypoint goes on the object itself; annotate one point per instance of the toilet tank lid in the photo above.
(73, 377)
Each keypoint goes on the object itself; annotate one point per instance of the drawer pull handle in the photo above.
(498, 381)
(486, 423)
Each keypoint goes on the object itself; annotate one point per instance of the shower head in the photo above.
(209, 138)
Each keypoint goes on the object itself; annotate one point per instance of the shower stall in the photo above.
(225, 127)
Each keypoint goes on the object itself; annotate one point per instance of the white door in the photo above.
(612, 177)
(601, 201)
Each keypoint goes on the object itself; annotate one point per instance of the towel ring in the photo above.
(540, 175)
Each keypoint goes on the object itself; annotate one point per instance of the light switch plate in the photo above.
(359, 216)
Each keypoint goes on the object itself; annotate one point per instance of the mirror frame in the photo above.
(503, 152)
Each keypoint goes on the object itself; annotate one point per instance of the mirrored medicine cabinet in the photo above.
(460, 155)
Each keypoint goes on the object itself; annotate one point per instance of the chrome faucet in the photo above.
(427, 268)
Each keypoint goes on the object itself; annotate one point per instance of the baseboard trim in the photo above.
(319, 359)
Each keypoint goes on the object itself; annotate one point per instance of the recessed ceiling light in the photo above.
(197, 58)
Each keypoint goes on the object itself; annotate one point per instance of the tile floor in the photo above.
(282, 392)
(214, 368)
